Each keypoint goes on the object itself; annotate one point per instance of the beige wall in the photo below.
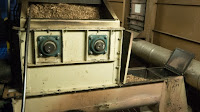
(178, 25)
(168, 23)
(174, 24)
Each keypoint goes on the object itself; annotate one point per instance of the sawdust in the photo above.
(132, 78)
(64, 11)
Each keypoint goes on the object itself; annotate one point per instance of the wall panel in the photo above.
(177, 24)
(171, 43)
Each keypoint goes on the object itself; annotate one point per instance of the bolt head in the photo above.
(57, 38)
(58, 54)
(90, 52)
(40, 55)
(40, 38)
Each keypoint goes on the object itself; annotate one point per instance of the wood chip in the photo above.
(64, 11)
(132, 78)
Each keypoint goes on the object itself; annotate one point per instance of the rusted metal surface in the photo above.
(94, 101)
(174, 96)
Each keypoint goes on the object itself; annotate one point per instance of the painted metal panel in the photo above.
(74, 46)
(180, 2)
(172, 43)
(75, 69)
(58, 79)
(182, 21)
(177, 25)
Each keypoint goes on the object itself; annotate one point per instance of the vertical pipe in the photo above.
(8, 10)
(25, 63)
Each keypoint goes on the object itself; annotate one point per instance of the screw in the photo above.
(105, 37)
(118, 53)
(105, 52)
(117, 67)
(40, 55)
(90, 37)
(40, 38)
(119, 38)
(58, 54)
(57, 38)
(90, 52)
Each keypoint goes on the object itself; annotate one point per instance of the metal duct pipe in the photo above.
(158, 56)
(5, 71)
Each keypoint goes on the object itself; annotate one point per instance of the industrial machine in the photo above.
(67, 56)
(77, 49)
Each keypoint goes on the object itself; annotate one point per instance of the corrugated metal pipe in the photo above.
(158, 56)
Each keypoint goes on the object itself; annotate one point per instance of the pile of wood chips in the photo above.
(64, 11)
(132, 78)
